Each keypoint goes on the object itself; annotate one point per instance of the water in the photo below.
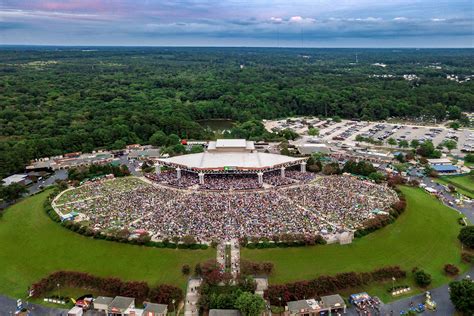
(217, 125)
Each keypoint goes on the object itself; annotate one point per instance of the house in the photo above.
(152, 309)
(120, 305)
(102, 303)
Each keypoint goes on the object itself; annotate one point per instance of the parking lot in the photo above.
(346, 131)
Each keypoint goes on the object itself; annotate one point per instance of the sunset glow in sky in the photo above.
(307, 23)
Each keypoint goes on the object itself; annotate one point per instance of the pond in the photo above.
(217, 125)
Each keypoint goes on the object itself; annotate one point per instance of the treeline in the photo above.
(113, 97)
(109, 286)
(327, 285)
(94, 171)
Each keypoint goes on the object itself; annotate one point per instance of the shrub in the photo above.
(451, 269)
(422, 278)
(467, 257)
(186, 269)
(466, 236)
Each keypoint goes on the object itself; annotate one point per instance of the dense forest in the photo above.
(55, 100)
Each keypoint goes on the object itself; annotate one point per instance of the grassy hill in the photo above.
(32, 246)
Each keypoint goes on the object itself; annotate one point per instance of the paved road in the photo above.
(8, 307)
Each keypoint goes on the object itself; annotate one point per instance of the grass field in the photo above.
(425, 236)
(464, 184)
(32, 246)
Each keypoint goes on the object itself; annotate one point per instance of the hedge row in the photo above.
(88, 232)
(285, 241)
(255, 268)
(163, 294)
(326, 285)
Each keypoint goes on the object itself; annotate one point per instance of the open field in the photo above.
(425, 236)
(32, 246)
(464, 184)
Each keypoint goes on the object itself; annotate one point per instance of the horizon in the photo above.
(243, 23)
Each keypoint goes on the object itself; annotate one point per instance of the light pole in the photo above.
(174, 307)
(58, 291)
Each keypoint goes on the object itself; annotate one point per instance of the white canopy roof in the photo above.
(238, 160)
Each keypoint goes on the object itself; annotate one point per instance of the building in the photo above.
(120, 305)
(144, 154)
(308, 149)
(231, 156)
(312, 307)
(152, 309)
(16, 178)
(439, 162)
(224, 312)
(445, 169)
(102, 303)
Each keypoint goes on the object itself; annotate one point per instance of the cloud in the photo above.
(129, 21)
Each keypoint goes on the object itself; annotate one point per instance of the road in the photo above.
(8, 307)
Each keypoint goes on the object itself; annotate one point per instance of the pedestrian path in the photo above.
(235, 258)
(192, 297)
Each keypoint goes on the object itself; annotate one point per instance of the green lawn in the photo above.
(464, 184)
(424, 236)
(32, 246)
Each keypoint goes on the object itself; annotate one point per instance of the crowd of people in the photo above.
(235, 181)
(230, 182)
(329, 204)
(344, 200)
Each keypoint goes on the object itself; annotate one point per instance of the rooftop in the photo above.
(155, 308)
(235, 160)
(303, 305)
(121, 303)
(15, 178)
(224, 312)
(103, 300)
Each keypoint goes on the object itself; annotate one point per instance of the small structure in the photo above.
(224, 312)
(17, 178)
(152, 309)
(445, 169)
(439, 162)
(333, 303)
(304, 307)
(75, 311)
(308, 149)
(120, 304)
(102, 303)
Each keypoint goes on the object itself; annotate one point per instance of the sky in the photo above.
(262, 23)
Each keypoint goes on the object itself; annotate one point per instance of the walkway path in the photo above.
(192, 298)
(235, 257)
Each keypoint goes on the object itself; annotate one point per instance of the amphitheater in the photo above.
(209, 198)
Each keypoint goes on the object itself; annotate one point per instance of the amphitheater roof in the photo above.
(231, 161)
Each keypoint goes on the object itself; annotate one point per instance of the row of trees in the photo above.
(326, 285)
(141, 291)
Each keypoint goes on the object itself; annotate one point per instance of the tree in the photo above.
(250, 304)
(173, 139)
(466, 236)
(185, 269)
(336, 119)
(391, 141)
(454, 112)
(461, 294)
(450, 144)
(403, 143)
(196, 149)
(158, 139)
(469, 158)
(12, 192)
(377, 177)
(422, 278)
(414, 143)
(454, 125)
(313, 131)
(331, 168)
